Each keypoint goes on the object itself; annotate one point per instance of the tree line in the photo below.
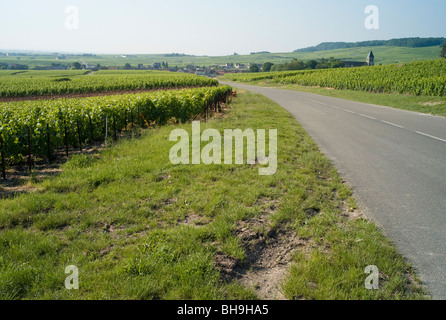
(403, 42)
(298, 65)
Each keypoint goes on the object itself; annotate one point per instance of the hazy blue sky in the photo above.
(209, 27)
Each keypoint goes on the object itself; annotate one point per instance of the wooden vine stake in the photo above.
(66, 138)
(132, 123)
(115, 137)
(2, 146)
(79, 135)
(29, 150)
(48, 143)
(125, 121)
(91, 129)
(106, 130)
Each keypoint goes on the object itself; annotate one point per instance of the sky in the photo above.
(206, 27)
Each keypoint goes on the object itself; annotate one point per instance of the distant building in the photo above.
(352, 64)
(370, 59)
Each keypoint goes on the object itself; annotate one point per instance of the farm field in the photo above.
(426, 78)
(37, 83)
(37, 127)
(416, 86)
(139, 227)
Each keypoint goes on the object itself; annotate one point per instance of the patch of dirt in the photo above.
(432, 103)
(269, 253)
(194, 220)
(269, 259)
(163, 177)
(352, 213)
(106, 250)
(19, 180)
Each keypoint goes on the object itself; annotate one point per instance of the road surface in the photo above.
(395, 161)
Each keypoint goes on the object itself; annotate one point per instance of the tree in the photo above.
(334, 63)
(254, 68)
(311, 64)
(294, 65)
(267, 66)
(443, 51)
(76, 66)
(127, 66)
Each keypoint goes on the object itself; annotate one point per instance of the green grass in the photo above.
(124, 218)
(429, 105)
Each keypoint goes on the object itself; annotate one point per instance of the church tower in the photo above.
(371, 59)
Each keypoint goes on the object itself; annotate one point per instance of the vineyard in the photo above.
(421, 78)
(36, 83)
(38, 127)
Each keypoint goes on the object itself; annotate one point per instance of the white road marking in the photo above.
(428, 135)
(366, 116)
(392, 124)
(386, 122)
(321, 103)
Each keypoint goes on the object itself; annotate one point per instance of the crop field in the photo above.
(420, 78)
(36, 127)
(36, 83)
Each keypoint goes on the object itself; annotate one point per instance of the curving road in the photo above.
(396, 163)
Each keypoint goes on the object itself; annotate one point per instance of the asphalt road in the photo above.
(396, 163)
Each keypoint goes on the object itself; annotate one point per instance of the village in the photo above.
(208, 71)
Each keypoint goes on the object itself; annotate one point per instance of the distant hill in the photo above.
(403, 42)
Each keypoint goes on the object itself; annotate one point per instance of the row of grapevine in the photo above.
(37, 127)
(426, 78)
(15, 86)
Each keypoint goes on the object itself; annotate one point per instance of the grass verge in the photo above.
(423, 104)
(138, 227)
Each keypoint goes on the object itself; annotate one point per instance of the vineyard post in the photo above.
(133, 124)
(139, 118)
(66, 137)
(29, 150)
(3, 157)
(125, 121)
(48, 143)
(91, 129)
(79, 135)
(106, 129)
(114, 129)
